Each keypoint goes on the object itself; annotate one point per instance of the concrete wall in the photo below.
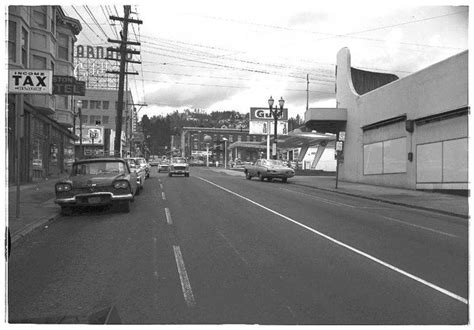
(439, 88)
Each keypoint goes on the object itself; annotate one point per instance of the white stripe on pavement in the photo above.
(366, 255)
(168, 216)
(183, 276)
(163, 196)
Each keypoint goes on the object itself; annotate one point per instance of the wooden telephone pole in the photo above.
(123, 51)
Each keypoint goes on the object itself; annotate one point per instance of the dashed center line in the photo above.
(168, 216)
(163, 196)
(183, 276)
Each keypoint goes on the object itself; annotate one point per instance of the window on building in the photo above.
(39, 62)
(85, 104)
(63, 46)
(92, 119)
(98, 104)
(105, 105)
(39, 16)
(239, 138)
(53, 22)
(84, 119)
(231, 138)
(105, 120)
(11, 41)
(24, 47)
(385, 157)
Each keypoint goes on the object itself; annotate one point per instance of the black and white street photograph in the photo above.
(236, 163)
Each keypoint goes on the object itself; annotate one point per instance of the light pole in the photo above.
(207, 139)
(79, 107)
(276, 113)
(225, 152)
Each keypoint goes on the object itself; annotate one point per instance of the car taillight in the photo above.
(61, 187)
(121, 184)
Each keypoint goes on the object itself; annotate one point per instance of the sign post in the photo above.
(20, 82)
(341, 137)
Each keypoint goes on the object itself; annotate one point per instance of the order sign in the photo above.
(30, 81)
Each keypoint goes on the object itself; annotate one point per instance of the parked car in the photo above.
(99, 181)
(140, 170)
(178, 165)
(154, 161)
(269, 169)
(163, 166)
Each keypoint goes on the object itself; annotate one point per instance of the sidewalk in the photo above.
(37, 207)
(436, 202)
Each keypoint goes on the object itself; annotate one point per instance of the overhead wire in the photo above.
(95, 20)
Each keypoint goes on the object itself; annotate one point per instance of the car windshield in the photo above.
(180, 160)
(95, 168)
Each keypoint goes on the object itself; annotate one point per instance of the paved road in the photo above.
(214, 249)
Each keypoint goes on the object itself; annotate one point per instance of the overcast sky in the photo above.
(233, 55)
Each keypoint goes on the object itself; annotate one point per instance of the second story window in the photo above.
(63, 46)
(24, 47)
(12, 41)
(39, 16)
(105, 105)
(85, 104)
(39, 62)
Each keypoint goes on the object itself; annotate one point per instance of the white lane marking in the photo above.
(368, 256)
(183, 276)
(384, 217)
(168, 216)
(233, 248)
(163, 196)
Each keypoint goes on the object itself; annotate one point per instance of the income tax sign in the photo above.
(27, 81)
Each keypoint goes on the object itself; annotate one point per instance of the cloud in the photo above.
(179, 96)
(308, 18)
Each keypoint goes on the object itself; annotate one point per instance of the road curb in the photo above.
(31, 227)
(454, 214)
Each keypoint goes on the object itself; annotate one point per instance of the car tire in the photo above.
(66, 210)
(284, 180)
(186, 175)
(137, 192)
(261, 177)
(248, 176)
(169, 174)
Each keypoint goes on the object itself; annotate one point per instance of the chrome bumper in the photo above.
(73, 200)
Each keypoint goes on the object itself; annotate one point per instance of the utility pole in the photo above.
(307, 91)
(123, 50)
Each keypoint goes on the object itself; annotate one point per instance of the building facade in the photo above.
(99, 114)
(41, 37)
(239, 144)
(410, 133)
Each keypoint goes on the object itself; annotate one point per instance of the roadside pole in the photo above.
(268, 139)
(341, 138)
(18, 113)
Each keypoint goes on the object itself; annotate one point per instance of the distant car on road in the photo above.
(154, 161)
(178, 165)
(269, 169)
(163, 166)
(99, 181)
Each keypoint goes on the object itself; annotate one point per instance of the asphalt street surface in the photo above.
(219, 249)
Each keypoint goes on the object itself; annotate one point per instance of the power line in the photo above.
(95, 20)
(110, 25)
(80, 16)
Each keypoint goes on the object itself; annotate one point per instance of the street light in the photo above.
(276, 113)
(79, 107)
(225, 152)
(207, 139)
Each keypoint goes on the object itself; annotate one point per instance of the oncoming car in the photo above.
(269, 169)
(178, 165)
(99, 181)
